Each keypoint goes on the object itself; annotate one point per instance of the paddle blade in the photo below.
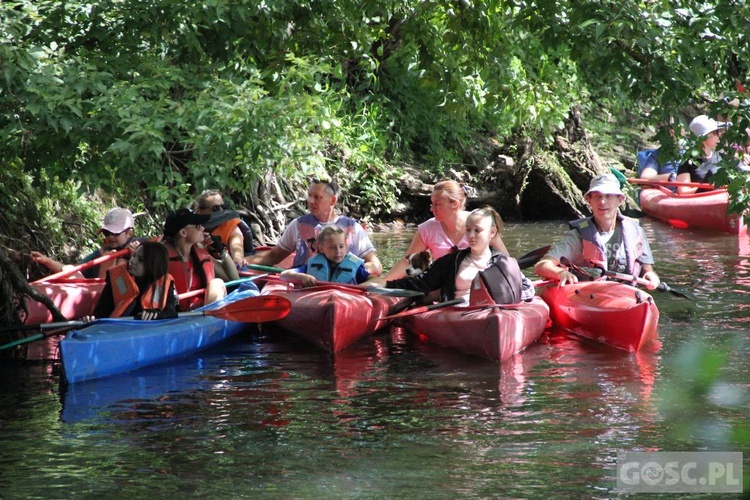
(531, 258)
(663, 287)
(678, 223)
(254, 309)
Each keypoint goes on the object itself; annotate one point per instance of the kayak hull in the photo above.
(495, 333)
(74, 298)
(333, 317)
(110, 346)
(707, 210)
(606, 311)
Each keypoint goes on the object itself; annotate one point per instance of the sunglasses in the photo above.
(110, 233)
(215, 208)
(331, 185)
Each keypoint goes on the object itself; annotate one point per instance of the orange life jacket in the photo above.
(202, 268)
(125, 291)
(224, 230)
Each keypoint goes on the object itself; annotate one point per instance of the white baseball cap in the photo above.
(117, 220)
(703, 125)
(605, 184)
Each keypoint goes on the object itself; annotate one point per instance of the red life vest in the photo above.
(125, 291)
(594, 251)
(202, 272)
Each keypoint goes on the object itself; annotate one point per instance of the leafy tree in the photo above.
(161, 98)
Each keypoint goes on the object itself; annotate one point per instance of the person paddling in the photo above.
(607, 240)
(118, 233)
(191, 266)
(333, 262)
(708, 131)
(142, 288)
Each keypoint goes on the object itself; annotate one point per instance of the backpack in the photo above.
(500, 283)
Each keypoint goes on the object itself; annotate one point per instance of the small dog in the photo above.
(418, 262)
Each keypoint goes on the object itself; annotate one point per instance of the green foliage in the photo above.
(162, 98)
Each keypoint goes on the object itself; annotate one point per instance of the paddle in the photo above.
(629, 278)
(389, 292)
(237, 282)
(421, 309)
(663, 287)
(650, 182)
(259, 309)
(85, 265)
(531, 258)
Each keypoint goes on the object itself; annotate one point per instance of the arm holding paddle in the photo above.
(604, 240)
(649, 278)
(550, 268)
(117, 232)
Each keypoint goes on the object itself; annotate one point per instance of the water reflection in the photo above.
(270, 415)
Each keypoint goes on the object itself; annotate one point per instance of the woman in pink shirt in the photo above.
(445, 232)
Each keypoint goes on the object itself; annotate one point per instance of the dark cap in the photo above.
(181, 218)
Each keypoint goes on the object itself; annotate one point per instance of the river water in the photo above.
(270, 416)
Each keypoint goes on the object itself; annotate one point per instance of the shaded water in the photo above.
(268, 415)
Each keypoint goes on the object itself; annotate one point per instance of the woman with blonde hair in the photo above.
(454, 273)
(446, 231)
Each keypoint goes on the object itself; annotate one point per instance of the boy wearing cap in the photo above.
(701, 170)
(607, 240)
(190, 265)
(117, 231)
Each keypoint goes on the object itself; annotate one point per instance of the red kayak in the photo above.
(73, 297)
(706, 210)
(332, 316)
(606, 311)
(496, 332)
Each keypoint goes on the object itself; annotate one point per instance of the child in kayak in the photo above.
(142, 288)
(117, 232)
(333, 262)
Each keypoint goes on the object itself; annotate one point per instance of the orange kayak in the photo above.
(331, 316)
(606, 311)
(495, 333)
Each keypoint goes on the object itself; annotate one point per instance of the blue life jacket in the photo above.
(345, 272)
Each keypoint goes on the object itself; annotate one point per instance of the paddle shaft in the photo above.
(85, 265)
(649, 182)
(421, 309)
(663, 287)
(250, 309)
(361, 288)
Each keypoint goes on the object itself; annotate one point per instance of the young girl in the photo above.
(333, 262)
(454, 273)
(142, 288)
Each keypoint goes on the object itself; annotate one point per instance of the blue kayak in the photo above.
(109, 346)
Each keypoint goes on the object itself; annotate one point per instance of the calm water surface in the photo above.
(270, 416)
